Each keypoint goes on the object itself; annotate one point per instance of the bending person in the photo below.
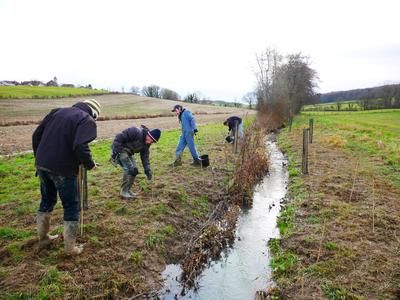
(125, 145)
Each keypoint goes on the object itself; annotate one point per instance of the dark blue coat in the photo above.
(232, 121)
(60, 142)
(131, 141)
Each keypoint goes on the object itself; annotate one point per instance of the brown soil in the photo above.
(346, 233)
(15, 139)
(120, 106)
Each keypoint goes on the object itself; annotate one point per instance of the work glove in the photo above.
(195, 131)
(114, 158)
(148, 174)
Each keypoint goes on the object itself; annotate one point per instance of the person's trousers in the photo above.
(66, 187)
(187, 139)
(128, 164)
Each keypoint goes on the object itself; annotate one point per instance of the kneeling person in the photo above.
(125, 145)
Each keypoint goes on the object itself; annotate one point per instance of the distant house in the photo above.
(9, 83)
(51, 83)
(32, 83)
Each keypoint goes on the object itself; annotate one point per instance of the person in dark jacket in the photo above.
(60, 145)
(234, 123)
(125, 145)
(189, 129)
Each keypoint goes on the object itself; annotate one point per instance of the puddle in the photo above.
(244, 268)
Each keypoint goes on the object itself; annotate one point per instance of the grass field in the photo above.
(340, 234)
(113, 106)
(351, 105)
(34, 92)
(368, 134)
(126, 243)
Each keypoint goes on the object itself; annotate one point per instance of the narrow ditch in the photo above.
(242, 269)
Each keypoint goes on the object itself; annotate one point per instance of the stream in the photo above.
(242, 269)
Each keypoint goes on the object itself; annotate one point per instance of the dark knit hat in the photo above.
(176, 107)
(154, 134)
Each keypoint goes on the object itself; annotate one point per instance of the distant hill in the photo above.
(385, 91)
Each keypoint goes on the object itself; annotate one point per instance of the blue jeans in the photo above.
(186, 138)
(66, 187)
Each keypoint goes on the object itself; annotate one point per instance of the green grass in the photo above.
(282, 261)
(33, 92)
(7, 233)
(366, 134)
(136, 258)
(336, 293)
(372, 138)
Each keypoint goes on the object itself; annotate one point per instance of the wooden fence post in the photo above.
(236, 138)
(304, 164)
(311, 127)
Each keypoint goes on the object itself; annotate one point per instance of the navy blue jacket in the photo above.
(232, 121)
(131, 141)
(60, 142)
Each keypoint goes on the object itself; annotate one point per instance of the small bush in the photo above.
(136, 258)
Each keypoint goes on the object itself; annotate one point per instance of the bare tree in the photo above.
(250, 99)
(268, 63)
(169, 94)
(299, 80)
(151, 91)
(135, 90)
(192, 98)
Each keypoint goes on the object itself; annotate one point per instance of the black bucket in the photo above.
(204, 160)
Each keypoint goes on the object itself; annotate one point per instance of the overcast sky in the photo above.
(206, 46)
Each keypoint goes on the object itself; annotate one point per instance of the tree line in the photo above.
(381, 97)
(156, 91)
(53, 82)
(384, 91)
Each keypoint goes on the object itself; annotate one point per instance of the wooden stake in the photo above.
(305, 151)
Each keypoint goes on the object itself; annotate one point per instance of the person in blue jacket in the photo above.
(60, 145)
(189, 129)
(130, 141)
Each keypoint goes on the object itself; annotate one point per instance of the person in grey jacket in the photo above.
(189, 129)
(125, 145)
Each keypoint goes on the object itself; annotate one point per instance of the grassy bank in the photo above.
(127, 244)
(35, 92)
(340, 226)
